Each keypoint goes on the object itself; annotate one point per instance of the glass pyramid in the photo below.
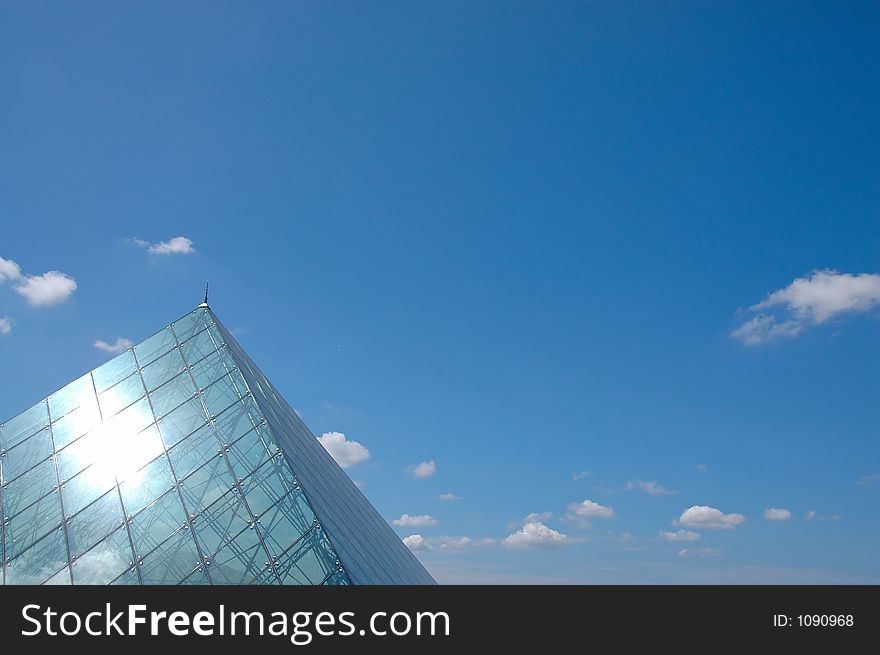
(178, 462)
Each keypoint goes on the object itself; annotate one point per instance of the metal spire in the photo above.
(205, 304)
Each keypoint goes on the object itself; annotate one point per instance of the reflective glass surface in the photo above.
(172, 464)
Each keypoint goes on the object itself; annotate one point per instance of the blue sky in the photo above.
(612, 268)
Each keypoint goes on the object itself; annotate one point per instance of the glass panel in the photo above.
(134, 451)
(211, 368)
(206, 485)
(236, 421)
(60, 578)
(172, 394)
(105, 561)
(152, 525)
(267, 485)
(20, 493)
(155, 346)
(75, 424)
(308, 562)
(76, 393)
(82, 489)
(116, 369)
(194, 451)
(120, 396)
(250, 451)
(192, 323)
(220, 395)
(172, 561)
(27, 454)
(184, 420)
(147, 485)
(222, 521)
(39, 562)
(24, 425)
(163, 369)
(239, 561)
(80, 454)
(31, 523)
(283, 524)
(93, 523)
(117, 446)
(200, 346)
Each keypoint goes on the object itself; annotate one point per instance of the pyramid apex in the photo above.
(204, 304)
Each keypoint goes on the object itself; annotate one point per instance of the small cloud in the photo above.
(536, 535)
(5, 325)
(813, 516)
(774, 514)
(418, 521)
(581, 475)
(174, 246)
(868, 479)
(701, 468)
(118, 346)
(589, 509)
(701, 552)
(679, 535)
(47, 289)
(809, 301)
(416, 543)
(650, 488)
(460, 543)
(9, 270)
(447, 497)
(700, 516)
(347, 453)
(40, 290)
(532, 517)
(763, 328)
(422, 470)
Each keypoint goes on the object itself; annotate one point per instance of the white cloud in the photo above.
(416, 542)
(174, 246)
(447, 497)
(5, 325)
(536, 535)
(118, 346)
(679, 535)
(47, 289)
(532, 517)
(764, 328)
(813, 516)
(590, 509)
(809, 301)
(417, 521)
(774, 514)
(423, 470)
(346, 452)
(701, 468)
(700, 516)
(9, 270)
(580, 475)
(459, 543)
(702, 552)
(650, 488)
(868, 479)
